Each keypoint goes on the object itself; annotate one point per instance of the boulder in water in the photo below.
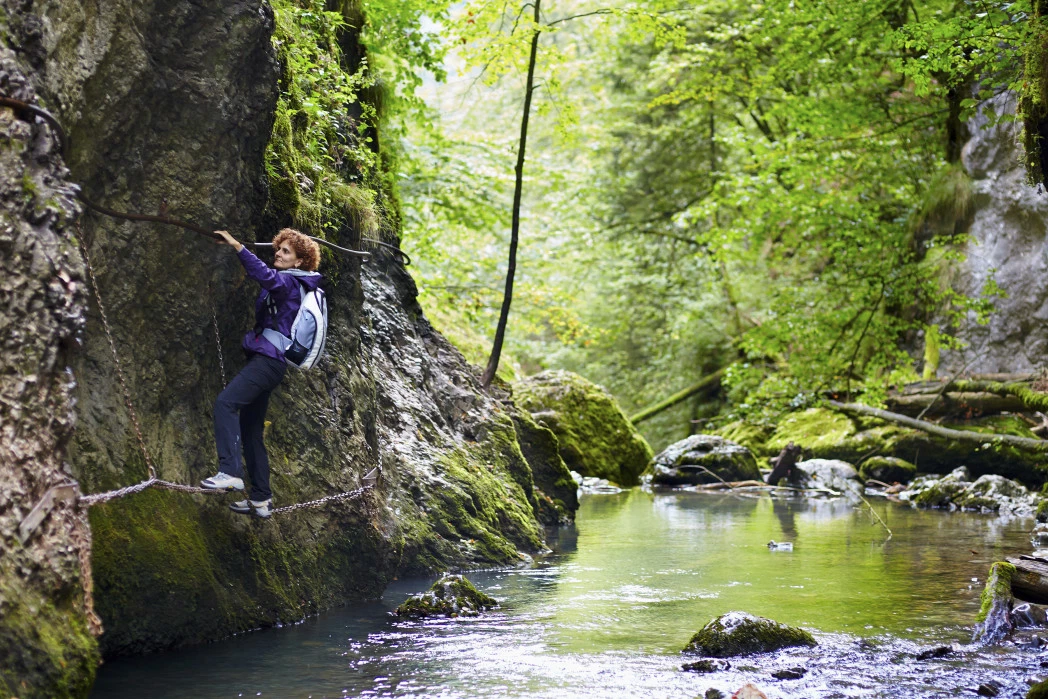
(595, 436)
(451, 596)
(703, 458)
(739, 633)
(887, 469)
(1027, 615)
(833, 474)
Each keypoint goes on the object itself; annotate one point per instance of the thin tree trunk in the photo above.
(677, 397)
(507, 297)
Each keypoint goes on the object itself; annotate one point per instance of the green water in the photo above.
(607, 614)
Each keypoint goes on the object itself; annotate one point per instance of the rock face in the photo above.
(169, 105)
(1009, 243)
(46, 644)
(451, 596)
(739, 633)
(703, 458)
(596, 438)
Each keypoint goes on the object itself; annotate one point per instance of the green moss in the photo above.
(998, 588)
(1038, 691)
(558, 493)
(482, 513)
(172, 569)
(595, 436)
(1042, 510)
(753, 437)
(450, 596)
(887, 469)
(46, 646)
(737, 633)
(814, 430)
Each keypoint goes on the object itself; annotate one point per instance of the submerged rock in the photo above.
(887, 469)
(703, 458)
(595, 436)
(790, 673)
(450, 596)
(706, 665)
(994, 621)
(739, 633)
(1029, 615)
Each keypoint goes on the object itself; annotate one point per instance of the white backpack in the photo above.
(309, 331)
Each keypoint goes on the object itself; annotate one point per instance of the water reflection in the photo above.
(609, 612)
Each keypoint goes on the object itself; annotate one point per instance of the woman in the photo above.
(294, 264)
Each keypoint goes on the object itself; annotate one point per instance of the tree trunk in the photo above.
(677, 397)
(507, 297)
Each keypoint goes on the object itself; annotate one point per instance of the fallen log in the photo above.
(982, 402)
(1025, 443)
(1030, 581)
(704, 382)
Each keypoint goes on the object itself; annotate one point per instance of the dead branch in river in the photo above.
(1024, 443)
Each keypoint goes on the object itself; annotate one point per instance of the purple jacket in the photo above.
(279, 288)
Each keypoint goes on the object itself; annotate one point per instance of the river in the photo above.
(607, 613)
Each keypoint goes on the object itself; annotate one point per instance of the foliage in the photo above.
(771, 186)
(323, 160)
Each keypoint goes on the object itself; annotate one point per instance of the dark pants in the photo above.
(248, 394)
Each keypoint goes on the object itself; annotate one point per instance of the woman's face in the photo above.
(285, 257)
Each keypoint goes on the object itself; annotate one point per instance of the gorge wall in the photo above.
(168, 106)
(1009, 243)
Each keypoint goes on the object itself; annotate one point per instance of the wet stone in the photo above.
(450, 596)
(739, 633)
(939, 652)
(989, 689)
(790, 673)
(1029, 615)
(703, 458)
(713, 693)
(706, 665)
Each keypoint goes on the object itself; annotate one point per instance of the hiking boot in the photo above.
(223, 481)
(263, 508)
(241, 506)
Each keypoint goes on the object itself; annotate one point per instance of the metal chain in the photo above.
(82, 540)
(351, 495)
(116, 358)
(218, 338)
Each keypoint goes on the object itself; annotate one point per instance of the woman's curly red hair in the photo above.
(305, 249)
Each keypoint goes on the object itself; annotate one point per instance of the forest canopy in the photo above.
(773, 188)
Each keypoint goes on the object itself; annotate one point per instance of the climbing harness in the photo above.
(63, 144)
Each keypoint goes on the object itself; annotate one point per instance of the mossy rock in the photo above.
(1038, 691)
(557, 493)
(595, 436)
(827, 434)
(739, 633)
(703, 458)
(1042, 510)
(816, 430)
(753, 437)
(887, 469)
(450, 596)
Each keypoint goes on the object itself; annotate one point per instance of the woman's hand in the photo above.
(230, 240)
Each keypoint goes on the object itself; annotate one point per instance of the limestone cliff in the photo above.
(169, 105)
(1009, 242)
